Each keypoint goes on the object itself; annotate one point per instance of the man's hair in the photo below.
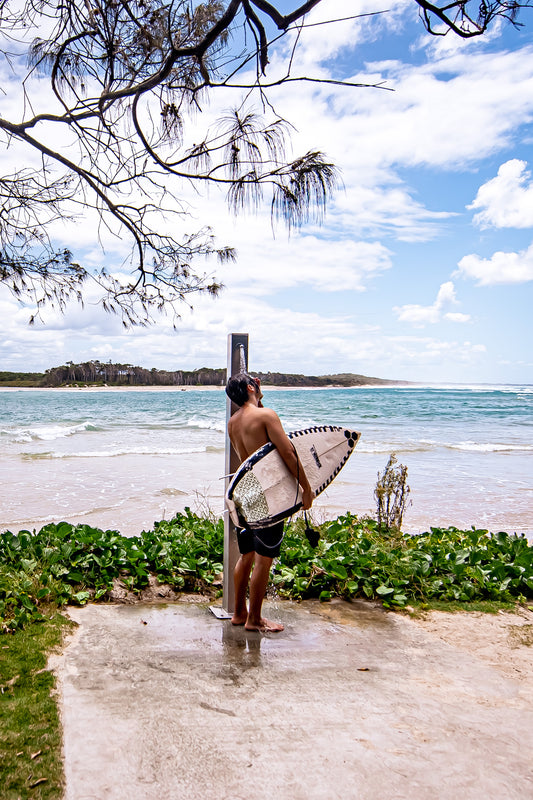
(236, 388)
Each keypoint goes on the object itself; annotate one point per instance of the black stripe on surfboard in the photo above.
(315, 429)
(338, 469)
(247, 465)
(351, 442)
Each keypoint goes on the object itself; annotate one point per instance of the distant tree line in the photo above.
(343, 379)
(21, 378)
(91, 372)
(106, 373)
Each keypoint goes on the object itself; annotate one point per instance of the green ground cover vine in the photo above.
(66, 563)
(357, 558)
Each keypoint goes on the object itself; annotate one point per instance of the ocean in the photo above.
(122, 459)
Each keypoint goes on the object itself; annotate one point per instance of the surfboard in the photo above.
(263, 491)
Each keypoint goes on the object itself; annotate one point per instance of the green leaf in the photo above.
(399, 599)
(339, 571)
(383, 591)
(81, 597)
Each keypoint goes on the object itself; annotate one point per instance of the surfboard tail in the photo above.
(232, 508)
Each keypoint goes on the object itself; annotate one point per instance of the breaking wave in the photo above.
(121, 451)
(47, 433)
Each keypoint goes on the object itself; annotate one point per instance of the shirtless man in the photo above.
(249, 428)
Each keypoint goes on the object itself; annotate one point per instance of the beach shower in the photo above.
(242, 357)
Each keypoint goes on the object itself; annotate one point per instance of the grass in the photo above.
(30, 731)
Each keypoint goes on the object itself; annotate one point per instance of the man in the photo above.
(251, 427)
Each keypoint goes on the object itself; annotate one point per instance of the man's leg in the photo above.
(258, 585)
(241, 575)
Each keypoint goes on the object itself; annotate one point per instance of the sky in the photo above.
(423, 267)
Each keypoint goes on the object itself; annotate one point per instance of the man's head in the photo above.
(241, 387)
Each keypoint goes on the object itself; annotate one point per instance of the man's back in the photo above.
(248, 429)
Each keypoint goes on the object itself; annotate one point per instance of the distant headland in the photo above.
(97, 373)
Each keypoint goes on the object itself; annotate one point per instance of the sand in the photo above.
(503, 640)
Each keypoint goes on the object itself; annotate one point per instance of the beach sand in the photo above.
(503, 641)
(129, 493)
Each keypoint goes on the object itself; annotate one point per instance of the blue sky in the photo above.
(423, 268)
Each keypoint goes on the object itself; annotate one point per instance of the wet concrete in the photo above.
(348, 702)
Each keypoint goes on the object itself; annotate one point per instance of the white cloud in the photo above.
(443, 45)
(486, 97)
(385, 210)
(281, 339)
(323, 39)
(456, 316)
(266, 265)
(426, 349)
(506, 201)
(422, 315)
(482, 95)
(501, 268)
(372, 134)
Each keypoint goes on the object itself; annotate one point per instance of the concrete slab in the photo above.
(348, 702)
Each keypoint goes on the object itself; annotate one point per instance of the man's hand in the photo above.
(307, 498)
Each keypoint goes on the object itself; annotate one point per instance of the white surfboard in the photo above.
(263, 491)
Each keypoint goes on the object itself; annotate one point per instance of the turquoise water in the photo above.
(125, 458)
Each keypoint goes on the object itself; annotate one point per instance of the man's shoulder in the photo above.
(266, 413)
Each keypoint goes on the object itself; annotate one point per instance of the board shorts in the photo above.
(264, 541)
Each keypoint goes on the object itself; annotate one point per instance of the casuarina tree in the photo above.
(109, 121)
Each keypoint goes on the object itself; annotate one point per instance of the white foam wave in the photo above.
(206, 424)
(491, 447)
(426, 445)
(122, 451)
(36, 522)
(507, 388)
(395, 447)
(47, 433)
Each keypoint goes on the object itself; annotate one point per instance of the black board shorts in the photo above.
(264, 541)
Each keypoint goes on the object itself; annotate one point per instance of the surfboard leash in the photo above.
(311, 535)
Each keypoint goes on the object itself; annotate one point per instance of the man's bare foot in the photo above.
(237, 620)
(265, 626)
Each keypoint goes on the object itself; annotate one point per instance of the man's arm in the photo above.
(283, 445)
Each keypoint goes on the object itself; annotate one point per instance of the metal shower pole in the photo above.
(237, 362)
